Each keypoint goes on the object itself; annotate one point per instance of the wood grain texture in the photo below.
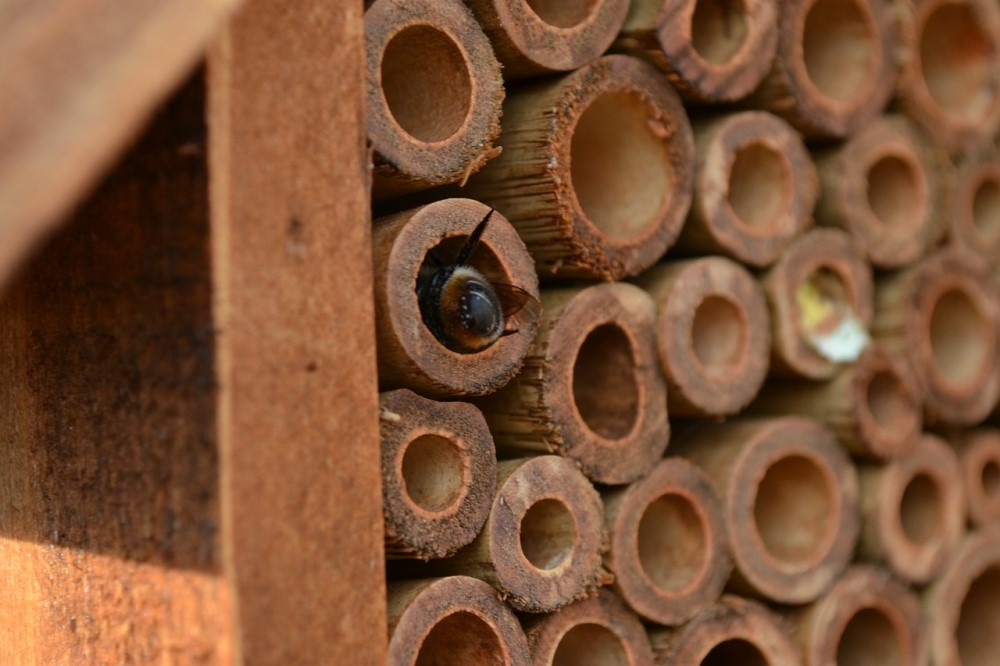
(298, 397)
(78, 80)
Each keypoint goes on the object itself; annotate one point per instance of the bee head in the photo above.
(471, 314)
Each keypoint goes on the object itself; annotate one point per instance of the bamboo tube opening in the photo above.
(792, 508)
(889, 402)
(957, 61)
(839, 49)
(990, 479)
(605, 387)
(434, 473)
(718, 29)
(921, 513)
(870, 639)
(563, 13)
(735, 651)
(896, 194)
(620, 169)
(672, 541)
(760, 188)
(547, 534)
(460, 638)
(961, 338)
(590, 645)
(719, 335)
(833, 294)
(976, 633)
(986, 209)
(426, 83)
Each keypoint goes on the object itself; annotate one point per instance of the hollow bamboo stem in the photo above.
(975, 212)
(591, 389)
(979, 463)
(596, 169)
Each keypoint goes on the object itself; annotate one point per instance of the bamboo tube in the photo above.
(950, 81)
(866, 619)
(943, 315)
(835, 67)
(963, 604)
(455, 620)
(913, 511)
(434, 94)
(409, 355)
(886, 187)
(712, 332)
(873, 406)
(975, 212)
(591, 389)
(979, 464)
(542, 544)
(596, 169)
(438, 474)
(534, 37)
(669, 553)
(733, 631)
(712, 51)
(820, 293)
(754, 189)
(790, 499)
(595, 632)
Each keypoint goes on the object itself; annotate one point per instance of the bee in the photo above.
(464, 310)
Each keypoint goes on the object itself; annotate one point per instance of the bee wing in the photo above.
(517, 301)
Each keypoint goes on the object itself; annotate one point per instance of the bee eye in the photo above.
(479, 309)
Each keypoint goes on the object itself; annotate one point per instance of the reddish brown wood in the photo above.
(975, 213)
(979, 460)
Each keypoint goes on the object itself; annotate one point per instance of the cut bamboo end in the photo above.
(975, 213)
(914, 510)
(944, 316)
(434, 94)
(754, 191)
(886, 187)
(866, 619)
(595, 632)
(669, 553)
(595, 171)
(452, 620)
(733, 631)
(592, 388)
(409, 354)
(711, 50)
(873, 406)
(820, 292)
(950, 83)
(979, 463)
(438, 474)
(534, 37)
(543, 542)
(712, 332)
(835, 67)
(790, 499)
(963, 604)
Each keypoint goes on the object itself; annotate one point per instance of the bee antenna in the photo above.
(473, 240)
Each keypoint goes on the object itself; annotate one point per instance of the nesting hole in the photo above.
(920, 510)
(838, 46)
(990, 479)
(619, 167)
(605, 387)
(888, 402)
(548, 534)
(986, 209)
(823, 300)
(461, 638)
(760, 188)
(719, 335)
(869, 639)
(590, 645)
(426, 83)
(978, 631)
(433, 472)
(895, 194)
(735, 651)
(672, 542)
(563, 13)
(960, 337)
(718, 29)
(795, 511)
(957, 59)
